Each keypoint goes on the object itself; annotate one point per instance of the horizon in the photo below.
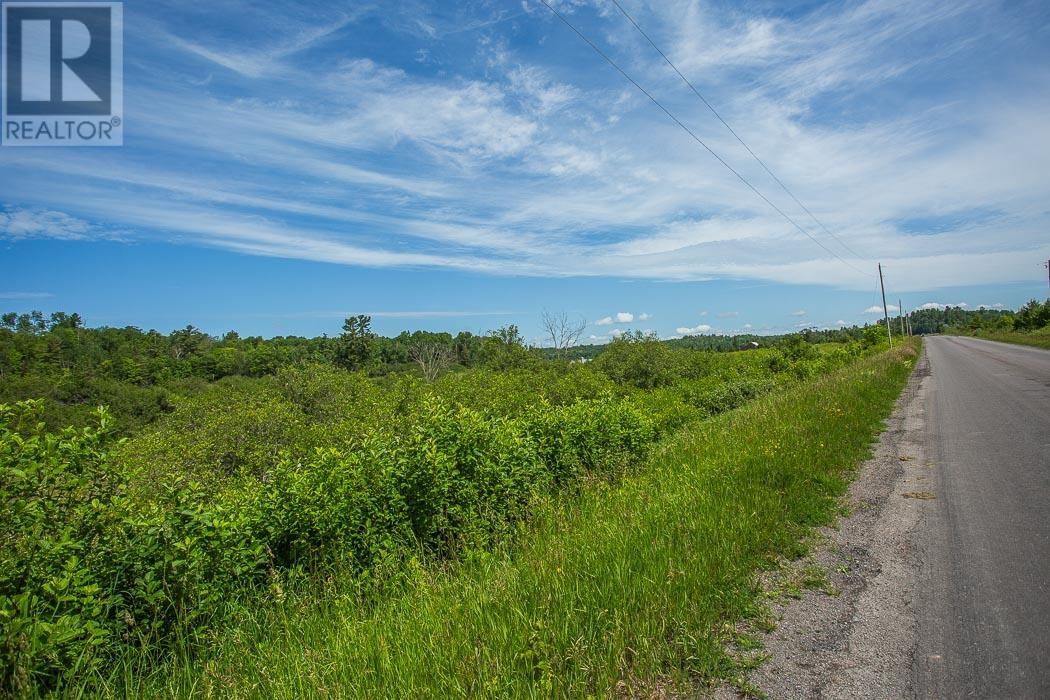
(626, 329)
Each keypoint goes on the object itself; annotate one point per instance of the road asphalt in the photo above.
(983, 603)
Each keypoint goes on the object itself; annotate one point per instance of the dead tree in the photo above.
(432, 357)
(562, 331)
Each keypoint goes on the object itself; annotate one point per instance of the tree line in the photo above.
(1033, 316)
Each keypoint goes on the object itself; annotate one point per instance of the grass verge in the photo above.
(1037, 339)
(631, 588)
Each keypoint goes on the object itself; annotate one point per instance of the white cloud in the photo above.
(684, 330)
(747, 326)
(260, 61)
(728, 314)
(840, 323)
(620, 317)
(28, 223)
(644, 317)
(542, 93)
(800, 312)
(937, 305)
(397, 314)
(878, 309)
(26, 295)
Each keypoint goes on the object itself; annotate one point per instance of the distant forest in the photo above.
(138, 372)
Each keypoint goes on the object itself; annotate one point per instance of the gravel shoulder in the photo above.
(845, 623)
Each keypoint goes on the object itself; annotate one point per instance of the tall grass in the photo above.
(1036, 339)
(627, 588)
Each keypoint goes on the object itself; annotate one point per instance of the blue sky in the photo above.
(464, 165)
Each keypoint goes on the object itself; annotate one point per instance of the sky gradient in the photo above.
(464, 165)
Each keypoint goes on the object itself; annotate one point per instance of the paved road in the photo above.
(983, 605)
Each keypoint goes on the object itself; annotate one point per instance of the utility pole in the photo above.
(1047, 266)
(900, 314)
(885, 311)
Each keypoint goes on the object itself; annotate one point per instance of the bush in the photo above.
(255, 486)
(56, 490)
(725, 396)
(464, 477)
(588, 436)
(1032, 316)
(87, 569)
(646, 363)
(238, 428)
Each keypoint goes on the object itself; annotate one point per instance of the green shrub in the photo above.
(254, 487)
(725, 396)
(644, 362)
(56, 489)
(464, 477)
(511, 392)
(1032, 316)
(90, 567)
(325, 393)
(588, 436)
(343, 507)
(238, 428)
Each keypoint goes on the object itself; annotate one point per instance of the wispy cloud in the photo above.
(260, 61)
(509, 161)
(18, 224)
(26, 295)
(687, 330)
(397, 314)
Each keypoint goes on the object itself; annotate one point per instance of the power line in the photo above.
(696, 138)
(718, 116)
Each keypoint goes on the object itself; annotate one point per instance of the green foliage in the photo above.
(955, 318)
(153, 547)
(356, 346)
(1033, 316)
(235, 429)
(260, 468)
(141, 375)
(873, 336)
(512, 391)
(631, 589)
(644, 362)
(135, 374)
(505, 349)
(725, 396)
(588, 436)
(795, 348)
(56, 490)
